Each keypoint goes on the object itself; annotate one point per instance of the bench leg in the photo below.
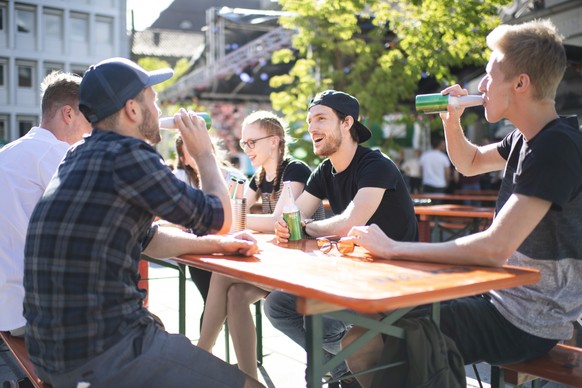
(537, 383)
(259, 331)
(497, 377)
(226, 343)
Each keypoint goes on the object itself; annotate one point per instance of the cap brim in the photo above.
(159, 76)
(364, 134)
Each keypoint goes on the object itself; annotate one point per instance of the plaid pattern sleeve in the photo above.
(142, 178)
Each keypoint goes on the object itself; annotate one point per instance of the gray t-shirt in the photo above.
(549, 167)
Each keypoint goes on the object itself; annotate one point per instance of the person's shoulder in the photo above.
(116, 142)
(324, 165)
(296, 163)
(121, 151)
(561, 130)
(372, 155)
(37, 144)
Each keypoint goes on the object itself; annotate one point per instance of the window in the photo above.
(103, 30)
(79, 27)
(79, 69)
(2, 73)
(53, 23)
(25, 20)
(24, 124)
(49, 67)
(2, 16)
(3, 130)
(25, 74)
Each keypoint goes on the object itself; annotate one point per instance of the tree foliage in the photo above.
(378, 50)
(154, 63)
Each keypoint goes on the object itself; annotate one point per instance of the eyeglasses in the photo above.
(326, 243)
(251, 142)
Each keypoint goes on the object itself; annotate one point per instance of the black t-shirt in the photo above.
(296, 171)
(549, 167)
(395, 214)
(537, 167)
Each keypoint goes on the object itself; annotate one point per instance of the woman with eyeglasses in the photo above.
(264, 141)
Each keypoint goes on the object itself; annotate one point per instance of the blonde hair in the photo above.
(276, 126)
(534, 48)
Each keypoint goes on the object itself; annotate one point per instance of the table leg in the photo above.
(436, 233)
(316, 365)
(436, 313)
(259, 331)
(182, 299)
(423, 230)
(314, 347)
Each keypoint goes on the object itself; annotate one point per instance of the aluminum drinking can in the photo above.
(168, 122)
(436, 102)
(293, 220)
(431, 103)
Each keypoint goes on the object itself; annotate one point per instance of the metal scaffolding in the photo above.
(222, 66)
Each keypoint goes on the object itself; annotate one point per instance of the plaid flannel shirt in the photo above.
(84, 244)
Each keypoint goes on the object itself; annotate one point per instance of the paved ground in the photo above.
(284, 361)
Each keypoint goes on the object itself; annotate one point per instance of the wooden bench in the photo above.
(562, 364)
(18, 349)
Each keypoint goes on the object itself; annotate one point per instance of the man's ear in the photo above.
(132, 110)
(522, 83)
(348, 122)
(67, 113)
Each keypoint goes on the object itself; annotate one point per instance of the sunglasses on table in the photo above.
(325, 244)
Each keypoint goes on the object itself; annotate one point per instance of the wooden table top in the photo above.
(455, 197)
(451, 210)
(326, 282)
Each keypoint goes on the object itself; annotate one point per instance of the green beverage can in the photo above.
(431, 103)
(293, 220)
(206, 118)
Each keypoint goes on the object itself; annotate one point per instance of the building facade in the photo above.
(39, 36)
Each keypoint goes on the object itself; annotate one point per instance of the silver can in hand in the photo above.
(168, 122)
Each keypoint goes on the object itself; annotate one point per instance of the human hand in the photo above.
(373, 239)
(193, 130)
(282, 231)
(453, 114)
(240, 243)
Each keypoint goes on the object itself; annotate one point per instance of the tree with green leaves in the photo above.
(154, 63)
(378, 51)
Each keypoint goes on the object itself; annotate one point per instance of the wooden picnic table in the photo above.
(341, 286)
(443, 197)
(473, 217)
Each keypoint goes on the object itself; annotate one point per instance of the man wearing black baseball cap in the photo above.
(363, 187)
(347, 105)
(85, 316)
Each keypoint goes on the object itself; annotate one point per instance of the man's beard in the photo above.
(332, 144)
(150, 127)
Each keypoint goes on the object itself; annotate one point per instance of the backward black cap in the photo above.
(346, 104)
